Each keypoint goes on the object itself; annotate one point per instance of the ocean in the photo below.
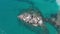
(9, 10)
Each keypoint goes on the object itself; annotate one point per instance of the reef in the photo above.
(33, 19)
(32, 16)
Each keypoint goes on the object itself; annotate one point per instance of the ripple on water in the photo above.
(2, 31)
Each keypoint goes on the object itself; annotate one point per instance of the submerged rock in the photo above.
(32, 16)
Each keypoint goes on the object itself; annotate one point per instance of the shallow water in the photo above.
(9, 9)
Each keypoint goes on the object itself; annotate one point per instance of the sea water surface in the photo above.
(9, 10)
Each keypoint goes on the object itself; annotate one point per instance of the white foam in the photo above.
(40, 22)
(58, 2)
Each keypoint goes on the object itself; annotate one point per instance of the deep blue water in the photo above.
(9, 9)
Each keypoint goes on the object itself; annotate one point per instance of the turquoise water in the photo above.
(9, 9)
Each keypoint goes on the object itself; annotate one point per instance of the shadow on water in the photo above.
(37, 30)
